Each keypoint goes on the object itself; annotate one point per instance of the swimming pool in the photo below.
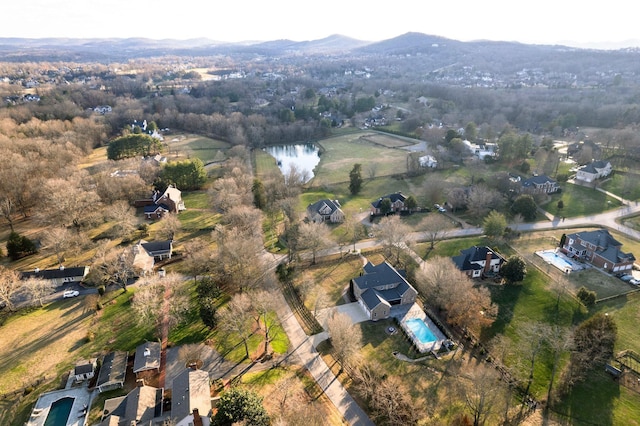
(59, 412)
(559, 261)
(421, 331)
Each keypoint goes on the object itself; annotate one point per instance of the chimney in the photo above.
(487, 261)
(197, 420)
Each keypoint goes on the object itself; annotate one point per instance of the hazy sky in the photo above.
(569, 22)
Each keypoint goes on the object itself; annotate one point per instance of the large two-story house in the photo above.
(600, 249)
(380, 288)
(594, 170)
(398, 203)
(540, 184)
(325, 211)
(477, 262)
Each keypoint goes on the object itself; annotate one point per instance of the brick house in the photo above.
(600, 249)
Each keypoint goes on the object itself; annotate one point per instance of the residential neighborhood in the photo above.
(457, 235)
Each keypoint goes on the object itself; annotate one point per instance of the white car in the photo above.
(70, 293)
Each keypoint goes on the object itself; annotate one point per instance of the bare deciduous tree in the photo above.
(37, 289)
(393, 234)
(149, 300)
(436, 227)
(455, 295)
(10, 286)
(314, 237)
(483, 394)
(238, 261)
(58, 239)
(235, 319)
(169, 226)
(346, 339)
(124, 217)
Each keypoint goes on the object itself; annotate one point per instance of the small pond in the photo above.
(305, 157)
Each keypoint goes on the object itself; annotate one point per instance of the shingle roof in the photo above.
(83, 367)
(465, 261)
(537, 180)
(380, 275)
(156, 246)
(147, 357)
(372, 298)
(190, 389)
(51, 274)
(397, 196)
(318, 206)
(113, 368)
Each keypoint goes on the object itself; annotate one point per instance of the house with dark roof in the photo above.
(398, 200)
(85, 369)
(113, 371)
(170, 201)
(594, 170)
(160, 250)
(381, 289)
(191, 396)
(477, 262)
(600, 249)
(147, 358)
(325, 211)
(540, 184)
(141, 407)
(59, 275)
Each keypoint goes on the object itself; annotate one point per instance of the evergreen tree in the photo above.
(355, 179)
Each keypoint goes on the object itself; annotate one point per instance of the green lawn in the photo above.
(204, 148)
(340, 153)
(579, 201)
(623, 184)
(196, 200)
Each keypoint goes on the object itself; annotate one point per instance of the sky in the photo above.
(568, 22)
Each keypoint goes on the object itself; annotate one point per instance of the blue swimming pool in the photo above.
(558, 260)
(421, 330)
(59, 412)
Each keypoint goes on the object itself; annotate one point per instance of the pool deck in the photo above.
(416, 312)
(81, 399)
(573, 265)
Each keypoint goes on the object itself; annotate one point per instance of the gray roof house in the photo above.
(397, 199)
(113, 371)
(594, 170)
(158, 249)
(147, 357)
(85, 369)
(139, 407)
(600, 249)
(380, 289)
(478, 261)
(59, 275)
(190, 390)
(325, 211)
(540, 184)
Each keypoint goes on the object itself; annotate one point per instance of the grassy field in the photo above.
(623, 184)
(187, 146)
(339, 154)
(580, 201)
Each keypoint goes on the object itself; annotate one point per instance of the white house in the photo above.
(481, 151)
(428, 161)
(594, 170)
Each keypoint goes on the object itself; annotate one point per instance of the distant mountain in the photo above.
(438, 50)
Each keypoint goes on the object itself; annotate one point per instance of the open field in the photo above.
(187, 146)
(580, 201)
(623, 184)
(386, 140)
(339, 154)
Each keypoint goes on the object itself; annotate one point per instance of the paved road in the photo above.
(304, 350)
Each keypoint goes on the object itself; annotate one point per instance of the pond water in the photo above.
(305, 157)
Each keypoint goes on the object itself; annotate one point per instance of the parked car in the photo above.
(626, 278)
(70, 293)
(634, 282)
(439, 208)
